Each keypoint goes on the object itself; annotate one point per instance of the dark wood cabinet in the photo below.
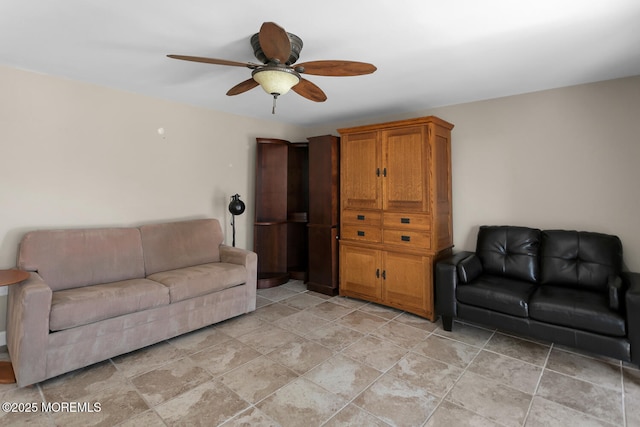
(297, 218)
(324, 207)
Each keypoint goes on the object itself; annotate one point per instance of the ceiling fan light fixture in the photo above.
(276, 80)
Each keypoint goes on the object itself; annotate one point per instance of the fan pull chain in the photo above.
(273, 109)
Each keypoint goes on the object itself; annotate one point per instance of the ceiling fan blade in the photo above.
(309, 90)
(214, 61)
(274, 42)
(336, 68)
(242, 87)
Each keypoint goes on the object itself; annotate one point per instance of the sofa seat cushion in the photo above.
(190, 282)
(576, 308)
(81, 306)
(496, 293)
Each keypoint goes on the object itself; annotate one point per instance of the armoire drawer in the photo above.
(361, 232)
(350, 216)
(408, 238)
(413, 221)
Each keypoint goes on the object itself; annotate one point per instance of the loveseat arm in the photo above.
(446, 282)
(28, 308)
(632, 300)
(249, 260)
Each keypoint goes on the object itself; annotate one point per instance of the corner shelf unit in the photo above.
(281, 211)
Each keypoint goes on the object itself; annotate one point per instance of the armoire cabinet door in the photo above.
(407, 284)
(405, 169)
(360, 272)
(361, 171)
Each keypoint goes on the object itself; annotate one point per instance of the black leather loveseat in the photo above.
(566, 287)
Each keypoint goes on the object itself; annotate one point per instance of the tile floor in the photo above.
(305, 359)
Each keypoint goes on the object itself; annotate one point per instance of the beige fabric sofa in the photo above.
(96, 293)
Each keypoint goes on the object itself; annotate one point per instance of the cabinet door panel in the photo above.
(360, 272)
(323, 259)
(407, 283)
(405, 169)
(359, 173)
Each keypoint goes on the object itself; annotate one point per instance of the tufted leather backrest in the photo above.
(509, 251)
(580, 258)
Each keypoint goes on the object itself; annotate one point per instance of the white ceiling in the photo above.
(429, 53)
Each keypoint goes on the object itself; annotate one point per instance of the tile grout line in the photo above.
(535, 391)
(448, 392)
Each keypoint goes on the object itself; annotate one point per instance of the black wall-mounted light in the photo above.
(236, 207)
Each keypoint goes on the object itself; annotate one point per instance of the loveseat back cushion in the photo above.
(580, 259)
(180, 244)
(509, 251)
(80, 257)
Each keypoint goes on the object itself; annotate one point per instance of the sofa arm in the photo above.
(28, 308)
(249, 260)
(446, 282)
(632, 300)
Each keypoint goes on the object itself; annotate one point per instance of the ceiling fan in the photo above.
(278, 51)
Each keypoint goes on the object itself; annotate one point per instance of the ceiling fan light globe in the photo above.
(276, 81)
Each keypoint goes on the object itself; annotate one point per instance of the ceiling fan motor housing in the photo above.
(296, 47)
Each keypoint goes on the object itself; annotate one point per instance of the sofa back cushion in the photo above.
(579, 258)
(73, 258)
(173, 245)
(509, 251)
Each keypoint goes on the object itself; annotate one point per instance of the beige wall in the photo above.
(564, 158)
(75, 154)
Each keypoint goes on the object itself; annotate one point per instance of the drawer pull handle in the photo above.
(405, 220)
(377, 273)
(406, 238)
(360, 217)
(384, 274)
(360, 233)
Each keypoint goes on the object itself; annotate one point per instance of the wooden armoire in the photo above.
(395, 210)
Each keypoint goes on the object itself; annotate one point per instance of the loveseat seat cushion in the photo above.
(496, 293)
(173, 245)
(580, 259)
(81, 306)
(190, 282)
(509, 251)
(576, 308)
